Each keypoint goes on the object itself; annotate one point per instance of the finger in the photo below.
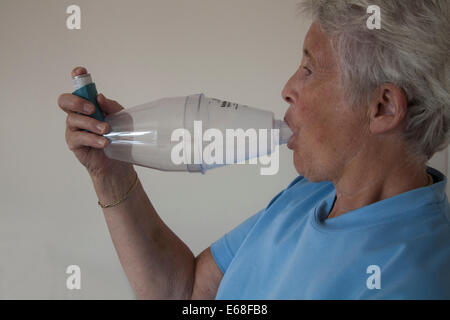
(78, 71)
(107, 105)
(71, 103)
(76, 121)
(79, 139)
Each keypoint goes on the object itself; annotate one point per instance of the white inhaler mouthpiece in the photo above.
(285, 131)
(149, 135)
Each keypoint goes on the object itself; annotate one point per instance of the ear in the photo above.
(387, 108)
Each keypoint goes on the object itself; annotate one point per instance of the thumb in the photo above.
(108, 106)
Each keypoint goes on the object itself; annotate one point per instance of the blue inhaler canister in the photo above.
(85, 88)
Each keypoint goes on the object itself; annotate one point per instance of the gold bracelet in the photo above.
(124, 197)
(430, 180)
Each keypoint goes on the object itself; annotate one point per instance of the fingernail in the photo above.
(101, 142)
(88, 108)
(101, 127)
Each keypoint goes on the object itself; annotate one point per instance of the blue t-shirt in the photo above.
(397, 248)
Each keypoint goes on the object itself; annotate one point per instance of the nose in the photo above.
(286, 93)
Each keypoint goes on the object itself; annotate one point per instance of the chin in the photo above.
(311, 170)
(299, 165)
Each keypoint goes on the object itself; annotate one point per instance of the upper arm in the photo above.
(207, 276)
(207, 273)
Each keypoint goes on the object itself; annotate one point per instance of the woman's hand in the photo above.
(88, 146)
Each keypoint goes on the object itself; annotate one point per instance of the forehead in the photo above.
(318, 44)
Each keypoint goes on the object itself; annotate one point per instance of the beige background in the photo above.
(137, 51)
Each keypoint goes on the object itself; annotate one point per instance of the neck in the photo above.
(365, 182)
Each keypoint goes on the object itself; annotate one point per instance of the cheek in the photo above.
(322, 137)
(316, 127)
(319, 139)
(302, 116)
(316, 119)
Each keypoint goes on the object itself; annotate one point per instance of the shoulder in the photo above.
(418, 266)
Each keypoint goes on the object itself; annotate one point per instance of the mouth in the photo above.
(291, 142)
(292, 138)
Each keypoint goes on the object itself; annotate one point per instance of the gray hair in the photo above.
(411, 50)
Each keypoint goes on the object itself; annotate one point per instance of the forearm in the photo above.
(157, 263)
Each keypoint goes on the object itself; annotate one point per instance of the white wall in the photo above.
(137, 51)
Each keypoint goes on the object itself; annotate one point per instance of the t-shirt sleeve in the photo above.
(224, 249)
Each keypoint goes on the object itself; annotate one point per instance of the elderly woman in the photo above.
(366, 218)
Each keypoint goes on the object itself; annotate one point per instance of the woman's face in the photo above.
(327, 133)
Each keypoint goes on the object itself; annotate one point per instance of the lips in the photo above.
(291, 142)
(286, 120)
(292, 138)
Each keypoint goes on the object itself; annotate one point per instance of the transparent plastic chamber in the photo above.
(145, 135)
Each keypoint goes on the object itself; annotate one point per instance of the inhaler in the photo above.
(85, 88)
(149, 135)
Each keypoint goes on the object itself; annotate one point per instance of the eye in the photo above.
(308, 71)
